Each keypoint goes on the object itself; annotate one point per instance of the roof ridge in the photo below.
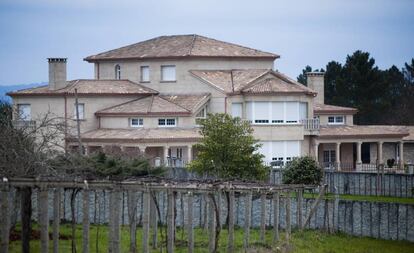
(251, 83)
(150, 104)
(192, 43)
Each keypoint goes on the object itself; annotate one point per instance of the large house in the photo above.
(148, 96)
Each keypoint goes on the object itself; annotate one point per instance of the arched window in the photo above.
(117, 72)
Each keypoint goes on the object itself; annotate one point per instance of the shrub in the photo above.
(303, 170)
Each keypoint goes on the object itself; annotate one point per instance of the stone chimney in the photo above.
(316, 82)
(57, 73)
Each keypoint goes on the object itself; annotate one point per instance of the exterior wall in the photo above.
(56, 105)
(306, 148)
(349, 119)
(149, 122)
(278, 133)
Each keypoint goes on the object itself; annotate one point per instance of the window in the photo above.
(81, 109)
(280, 152)
(261, 112)
(329, 156)
(170, 122)
(136, 122)
(145, 74)
(168, 73)
(303, 110)
(24, 111)
(292, 112)
(336, 120)
(236, 110)
(278, 112)
(202, 114)
(117, 72)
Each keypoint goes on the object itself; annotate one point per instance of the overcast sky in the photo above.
(302, 32)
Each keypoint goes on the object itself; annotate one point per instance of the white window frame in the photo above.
(142, 80)
(118, 72)
(202, 112)
(28, 113)
(335, 120)
(163, 67)
(140, 122)
(165, 124)
(81, 111)
(269, 120)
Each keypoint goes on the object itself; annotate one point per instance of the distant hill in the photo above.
(7, 88)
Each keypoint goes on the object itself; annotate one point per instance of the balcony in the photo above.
(311, 126)
(24, 124)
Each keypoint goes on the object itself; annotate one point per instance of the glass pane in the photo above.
(161, 122)
(145, 74)
(278, 111)
(168, 73)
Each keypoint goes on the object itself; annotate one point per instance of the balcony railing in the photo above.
(310, 124)
(24, 124)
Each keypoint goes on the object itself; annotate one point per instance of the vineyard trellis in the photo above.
(148, 186)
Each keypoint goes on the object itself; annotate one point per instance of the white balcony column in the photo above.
(165, 156)
(316, 151)
(359, 152)
(189, 153)
(379, 152)
(142, 149)
(401, 162)
(338, 156)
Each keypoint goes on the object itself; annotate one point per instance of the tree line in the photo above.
(381, 96)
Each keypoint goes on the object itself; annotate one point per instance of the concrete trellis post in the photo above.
(85, 226)
(153, 219)
(247, 220)
(190, 222)
(132, 215)
(170, 221)
(262, 217)
(5, 218)
(212, 225)
(114, 219)
(230, 243)
(44, 220)
(276, 203)
(56, 219)
(146, 222)
(288, 220)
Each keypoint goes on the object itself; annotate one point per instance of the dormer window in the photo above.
(336, 120)
(117, 72)
(168, 73)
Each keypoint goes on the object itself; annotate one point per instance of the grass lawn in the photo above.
(307, 241)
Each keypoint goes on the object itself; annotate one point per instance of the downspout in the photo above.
(97, 74)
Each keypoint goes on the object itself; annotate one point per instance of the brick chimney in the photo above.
(316, 82)
(57, 73)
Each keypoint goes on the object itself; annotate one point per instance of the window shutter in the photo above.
(303, 110)
(249, 111)
(278, 112)
(292, 112)
(292, 149)
(145, 74)
(261, 112)
(168, 73)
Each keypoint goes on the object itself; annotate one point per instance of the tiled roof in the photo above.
(142, 135)
(250, 81)
(90, 87)
(371, 131)
(158, 105)
(328, 109)
(180, 46)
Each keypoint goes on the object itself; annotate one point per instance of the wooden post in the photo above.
(288, 223)
(299, 208)
(262, 217)
(146, 222)
(170, 221)
(276, 203)
(132, 215)
(212, 225)
(114, 235)
(5, 219)
(315, 205)
(247, 220)
(85, 235)
(44, 220)
(205, 213)
(153, 219)
(230, 245)
(56, 219)
(190, 222)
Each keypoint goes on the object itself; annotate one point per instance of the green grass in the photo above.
(307, 241)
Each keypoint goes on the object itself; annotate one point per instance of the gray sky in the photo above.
(302, 32)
